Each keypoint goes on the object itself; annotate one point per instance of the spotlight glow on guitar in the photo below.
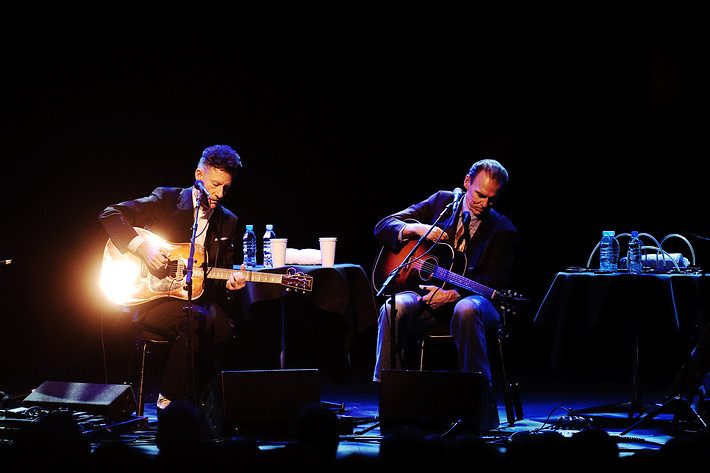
(126, 281)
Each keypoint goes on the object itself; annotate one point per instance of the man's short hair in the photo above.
(221, 157)
(493, 168)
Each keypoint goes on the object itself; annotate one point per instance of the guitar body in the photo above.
(126, 280)
(421, 268)
(436, 265)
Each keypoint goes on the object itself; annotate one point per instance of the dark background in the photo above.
(339, 121)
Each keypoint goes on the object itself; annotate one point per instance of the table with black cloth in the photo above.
(604, 323)
(319, 326)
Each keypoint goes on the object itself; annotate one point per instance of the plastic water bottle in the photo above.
(249, 247)
(268, 235)
(633, 255)
(608, 252)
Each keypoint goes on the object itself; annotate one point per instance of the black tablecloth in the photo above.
(593, 317)
(343, 289)
(319, 324)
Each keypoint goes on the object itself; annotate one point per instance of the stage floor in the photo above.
(549, 405)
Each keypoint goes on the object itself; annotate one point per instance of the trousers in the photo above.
(188, 366)
(469, 319)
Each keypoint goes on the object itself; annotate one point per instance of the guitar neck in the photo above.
(250, 276)
(464, 283)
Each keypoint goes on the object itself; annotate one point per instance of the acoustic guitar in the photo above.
(126, 280)
(436, 264)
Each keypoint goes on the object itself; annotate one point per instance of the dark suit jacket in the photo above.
(489, 254)
(168, 212)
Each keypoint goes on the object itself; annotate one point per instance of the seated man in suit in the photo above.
(169, 212)
(486, 238)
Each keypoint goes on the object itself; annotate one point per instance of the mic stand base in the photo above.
(682, 410)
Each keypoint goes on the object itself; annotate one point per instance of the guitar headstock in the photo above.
(298, 281)
(510, 301)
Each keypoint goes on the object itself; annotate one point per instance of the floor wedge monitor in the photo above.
(266, 402)
(115, 401)
(436, 399)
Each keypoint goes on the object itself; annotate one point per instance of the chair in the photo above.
(146, 343)
(511, 394)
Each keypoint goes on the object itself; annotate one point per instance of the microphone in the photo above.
(201, 187)
(454, 205)
(457, 197)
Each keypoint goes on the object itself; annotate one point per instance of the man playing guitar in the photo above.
(483, 242)
(171, 213)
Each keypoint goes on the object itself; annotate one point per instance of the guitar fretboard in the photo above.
(250, 276)
(456, 279)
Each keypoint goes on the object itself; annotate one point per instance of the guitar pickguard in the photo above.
(165, 285)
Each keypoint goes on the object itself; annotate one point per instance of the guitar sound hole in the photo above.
(426, 271)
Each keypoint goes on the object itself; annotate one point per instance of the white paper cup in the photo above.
(278, 251)
(327, 250)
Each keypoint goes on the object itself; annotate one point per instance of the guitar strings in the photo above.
(417, 258)
(431, 268)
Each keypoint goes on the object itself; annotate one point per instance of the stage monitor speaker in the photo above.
(436, 400)
(114, 401)
(265, 402)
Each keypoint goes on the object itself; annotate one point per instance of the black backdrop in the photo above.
(339, 122)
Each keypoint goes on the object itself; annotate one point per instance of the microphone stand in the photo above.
(190, 362)
(394, 274)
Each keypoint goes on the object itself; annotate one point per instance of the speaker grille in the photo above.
(266, 401)
(436, 398)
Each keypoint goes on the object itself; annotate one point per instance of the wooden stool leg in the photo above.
(511, 393)
(421, 354)
(141, 377)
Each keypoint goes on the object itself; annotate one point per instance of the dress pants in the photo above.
(469, 320)
(211, 332)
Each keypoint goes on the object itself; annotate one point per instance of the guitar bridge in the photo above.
(176, 270)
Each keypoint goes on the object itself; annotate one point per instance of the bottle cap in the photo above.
(634, 233)
(269, 226)
(608, 233)
(250, 227)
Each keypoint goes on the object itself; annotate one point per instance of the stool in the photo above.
(511, 394)
(145, 343)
